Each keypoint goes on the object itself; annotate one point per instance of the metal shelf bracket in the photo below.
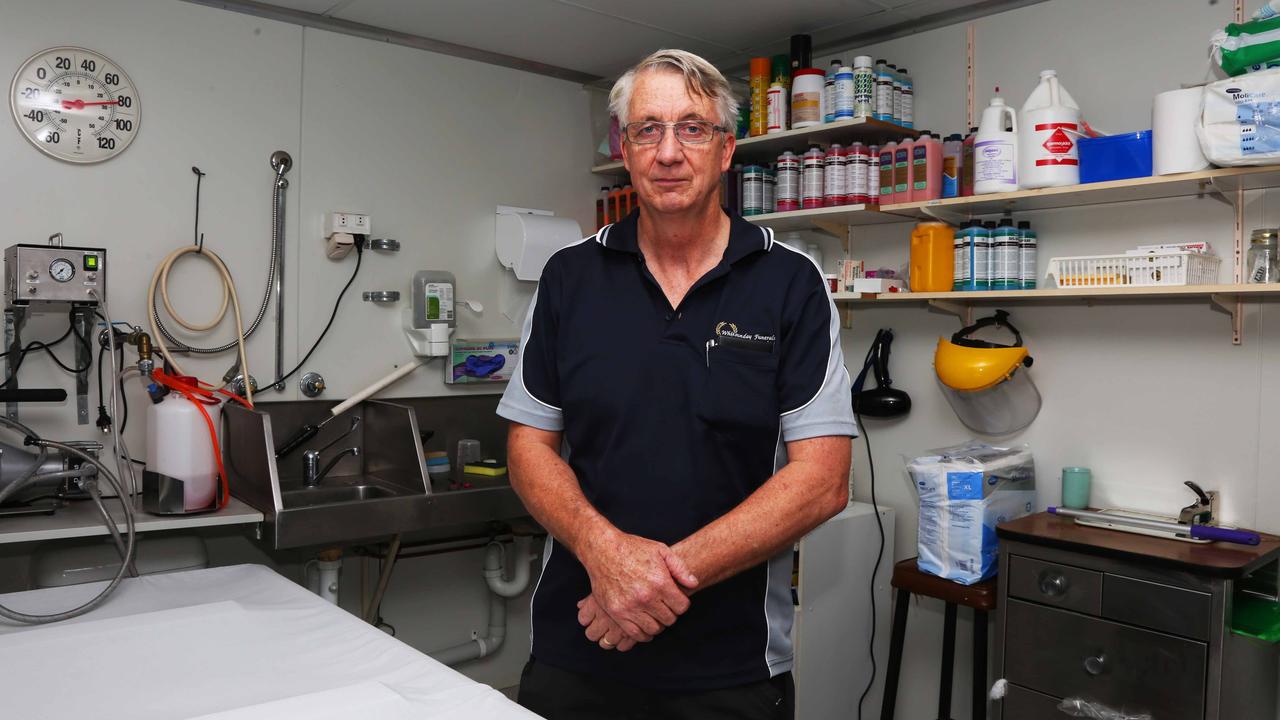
(945, 216)
(958, 309)
(1232, 305)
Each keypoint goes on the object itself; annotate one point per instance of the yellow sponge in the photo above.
(493, 470)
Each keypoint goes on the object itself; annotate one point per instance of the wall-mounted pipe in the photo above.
(500, 588)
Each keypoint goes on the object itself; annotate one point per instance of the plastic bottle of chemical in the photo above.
(759, 84)
(777, 104)
(872, 187)
(844, 93)
(829, 92)
(770, 190)
(806, 97)
(908, 99)
(788, 197)
(952, 153)
(966, 163)
(1006, 248)
(834, 177)
(1048, 153)
(896, 78)
(926, 167)
(888, 195)
(982, 270)
(732, 189)
(812, 175)
(180, 445)
(857, 167)
(864, 87)
(615, 203)
(753, 190)
(995, 150)
(884, 92)
(1028, 255)
(903, 177)
(602, 207)
(961, 250)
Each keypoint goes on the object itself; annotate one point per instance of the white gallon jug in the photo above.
(995, 150)
(180, 446)
(1048, 144)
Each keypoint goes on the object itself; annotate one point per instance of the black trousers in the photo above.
(559, 694)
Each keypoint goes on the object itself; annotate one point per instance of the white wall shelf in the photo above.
(1219, 182)
(1225, 298)
(766, 148)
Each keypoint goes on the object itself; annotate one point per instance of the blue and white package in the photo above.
(965, 491)
(1240, 122)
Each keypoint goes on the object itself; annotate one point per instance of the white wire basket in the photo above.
(1175, 267)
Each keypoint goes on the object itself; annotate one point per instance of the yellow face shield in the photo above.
(988, 385)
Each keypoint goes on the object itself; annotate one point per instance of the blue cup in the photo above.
(1075, 487)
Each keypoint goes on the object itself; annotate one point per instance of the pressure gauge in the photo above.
(75, 105)
(62, 270)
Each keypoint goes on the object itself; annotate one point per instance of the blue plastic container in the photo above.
(1115, 157)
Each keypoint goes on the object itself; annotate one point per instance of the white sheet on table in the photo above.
(231, 643)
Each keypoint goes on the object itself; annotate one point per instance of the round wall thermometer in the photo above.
(75, 105)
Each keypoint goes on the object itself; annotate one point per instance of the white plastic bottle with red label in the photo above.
(835, 183)
(1048, 140)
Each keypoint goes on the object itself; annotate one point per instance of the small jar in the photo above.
(1263, 260)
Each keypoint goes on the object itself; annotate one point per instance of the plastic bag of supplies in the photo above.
(964, 492)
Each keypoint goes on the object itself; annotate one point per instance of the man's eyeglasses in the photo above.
(688, 132)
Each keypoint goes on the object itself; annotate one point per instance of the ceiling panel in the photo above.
(543, 30)
(604, 37)
(318, 7)
(748, 24)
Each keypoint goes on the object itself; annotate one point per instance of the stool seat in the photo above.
(908, 576)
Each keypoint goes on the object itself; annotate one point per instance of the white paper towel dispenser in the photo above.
(526, 239)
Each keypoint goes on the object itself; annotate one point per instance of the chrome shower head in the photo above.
(281, 162)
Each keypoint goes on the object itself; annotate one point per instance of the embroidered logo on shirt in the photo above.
(728, 335)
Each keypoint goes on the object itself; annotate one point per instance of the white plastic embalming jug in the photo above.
(995, 150)
(1048, 152)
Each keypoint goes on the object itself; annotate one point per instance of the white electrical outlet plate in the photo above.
(345, 222)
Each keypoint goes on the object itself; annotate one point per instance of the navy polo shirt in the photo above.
(671, 417)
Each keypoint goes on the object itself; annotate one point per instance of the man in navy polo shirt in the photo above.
(679, 418)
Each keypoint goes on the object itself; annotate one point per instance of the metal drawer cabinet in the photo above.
(1066, 654)
(1083, 614)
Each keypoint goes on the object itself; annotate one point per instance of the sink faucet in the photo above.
(312, 473)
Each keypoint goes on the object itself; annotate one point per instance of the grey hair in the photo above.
(701, 79)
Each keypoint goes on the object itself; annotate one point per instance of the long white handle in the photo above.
(364, 394)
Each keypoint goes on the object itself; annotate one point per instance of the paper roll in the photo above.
(1175, 147)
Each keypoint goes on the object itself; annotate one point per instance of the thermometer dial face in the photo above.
(75, 105)
(62, 270)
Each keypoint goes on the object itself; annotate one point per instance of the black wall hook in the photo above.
(197, 236)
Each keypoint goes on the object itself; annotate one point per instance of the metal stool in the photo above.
(909, 580)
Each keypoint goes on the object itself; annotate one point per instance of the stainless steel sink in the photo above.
(382, 492)
(325, 495)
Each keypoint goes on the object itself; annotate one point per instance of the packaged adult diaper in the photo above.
(965, 491)
(1240, 123)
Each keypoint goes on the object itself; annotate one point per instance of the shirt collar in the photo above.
(745, 239)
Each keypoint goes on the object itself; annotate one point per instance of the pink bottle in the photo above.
(886, 172)
(903, 177)
(926, 167)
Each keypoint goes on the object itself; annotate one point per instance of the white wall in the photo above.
(1147, 395)
(427, 144)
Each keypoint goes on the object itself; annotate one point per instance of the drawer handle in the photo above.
(1095, 665)
(1053, 584)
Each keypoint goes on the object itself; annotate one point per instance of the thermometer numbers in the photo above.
(75, 105)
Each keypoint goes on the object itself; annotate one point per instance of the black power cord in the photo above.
(48, 348)
(359, 244)
(875, 507)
